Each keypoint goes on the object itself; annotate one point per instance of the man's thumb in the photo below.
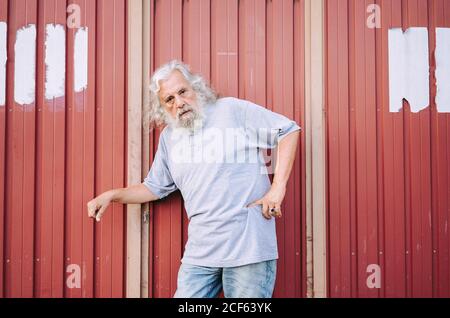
(100, 213)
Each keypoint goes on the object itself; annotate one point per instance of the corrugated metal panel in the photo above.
(252, 49)
(388, 172)
(388, 175)
(3, 17)
(57, 154)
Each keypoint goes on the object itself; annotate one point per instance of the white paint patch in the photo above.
(55, 61)
(24, 65)
(443, 69)
(409, 70)
(81, 59)
(3, 58)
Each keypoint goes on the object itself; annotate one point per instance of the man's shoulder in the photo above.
(164, 134)
(231, 104)
(230, 108)
(238, 102)
(230, 101)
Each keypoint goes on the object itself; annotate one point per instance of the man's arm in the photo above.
(287, 148)
(135, 194)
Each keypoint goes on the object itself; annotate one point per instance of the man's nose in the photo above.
(179, 102)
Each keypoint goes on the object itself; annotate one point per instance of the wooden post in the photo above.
(134, 143)
(316, 229)
(145, 234)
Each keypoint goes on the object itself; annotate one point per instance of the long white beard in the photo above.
(190, 122)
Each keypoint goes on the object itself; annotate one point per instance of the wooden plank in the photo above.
(314, 19)
(134, 138)
(145, 233)
(308, 170)
(150, 152)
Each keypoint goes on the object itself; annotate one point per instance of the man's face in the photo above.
(179, 100)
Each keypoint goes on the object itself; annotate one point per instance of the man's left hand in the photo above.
(271, 202)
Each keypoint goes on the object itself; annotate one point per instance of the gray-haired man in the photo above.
(211, 150)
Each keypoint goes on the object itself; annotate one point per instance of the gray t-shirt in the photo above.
(220, 169)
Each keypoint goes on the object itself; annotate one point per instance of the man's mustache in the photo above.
(185, 110)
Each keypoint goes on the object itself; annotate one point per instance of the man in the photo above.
(211, 151)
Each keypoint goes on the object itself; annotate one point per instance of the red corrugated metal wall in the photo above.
(252, 49)
(55, 155)
(388, 173)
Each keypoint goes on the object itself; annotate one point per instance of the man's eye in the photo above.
(169, 99)
(182, 92)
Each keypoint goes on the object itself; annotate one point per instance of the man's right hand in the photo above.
(99, 204)
(135, 194)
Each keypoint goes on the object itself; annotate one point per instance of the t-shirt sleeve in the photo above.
(159, 180)
(265, 127)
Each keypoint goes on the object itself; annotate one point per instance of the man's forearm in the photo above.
(135, 194)
(287, 148)
(272, 200)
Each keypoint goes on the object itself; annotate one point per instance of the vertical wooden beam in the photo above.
(134, 144)
(315, 150)
(307, 130)
(145, 232)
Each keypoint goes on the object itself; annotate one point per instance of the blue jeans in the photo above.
(248, 281)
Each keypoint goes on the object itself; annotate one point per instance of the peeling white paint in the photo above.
(24, 65)
(443, 69)
(81, 59)
(3, 58)
(409, 71)
(55, 61)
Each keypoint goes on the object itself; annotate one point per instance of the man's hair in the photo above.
(205, 94)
